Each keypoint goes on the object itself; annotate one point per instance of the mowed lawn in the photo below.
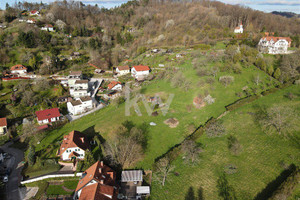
(161, 137)
(261, 161)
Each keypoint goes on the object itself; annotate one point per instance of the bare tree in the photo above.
(29, 130)
(226, 80)
(215, 129)
(191, 151)
(257, 79)
(279, 119)
(163, 169)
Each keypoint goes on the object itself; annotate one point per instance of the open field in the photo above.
(161, 137)
(263, 157)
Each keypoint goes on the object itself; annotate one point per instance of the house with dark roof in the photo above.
(3, 126)
(48, 115)
(73, 146)
(81, 105)
(97, 182)
(131, 184)
(140, 71)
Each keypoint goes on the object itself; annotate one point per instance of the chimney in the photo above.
(100, 170)
(111, 175)
(82, 139)
(101, 163)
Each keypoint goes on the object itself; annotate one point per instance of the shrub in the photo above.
(215, 129)
(233, 145)
(226, 80)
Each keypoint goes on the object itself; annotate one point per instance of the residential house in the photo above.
(34, 13)
(239, 29)
(123, 70)
(48, 27)
(74, 55)
(3, 126)
(112, 95)
(73, 146)
(31, 21)
(140, 71)
(274, 45)
(97, 183)
(48, 115)
(131, 184)
(80, 89)
(115, 85)
(82, 105)
(18, 69)
(74, 76)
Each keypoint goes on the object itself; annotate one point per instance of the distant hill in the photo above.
(286, 14)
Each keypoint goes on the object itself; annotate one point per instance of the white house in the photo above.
(274, 45)
(18, 69)
(83, 104)
(48, 27)
(140, 71)
(239, 29)
(80, 89)
(123, 70)
(34, 13)
(97, 182)
(31, 21)
(115, 85)
(48, 115)
(3, 126)
(73, 146)
(74, 76)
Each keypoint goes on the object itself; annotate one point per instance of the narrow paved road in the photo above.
(12, 187)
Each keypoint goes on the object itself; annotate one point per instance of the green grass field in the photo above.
(161, 137)
(260, 162)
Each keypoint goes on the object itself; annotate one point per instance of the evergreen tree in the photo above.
(277, 73)
(31, 155)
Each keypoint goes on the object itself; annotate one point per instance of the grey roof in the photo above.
(87, 98)
(76, 103)
(132, 175)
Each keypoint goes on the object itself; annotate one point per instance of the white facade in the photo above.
(239, 29)
(36, 13)
(117, 87)
(79, 106)
(46, 121)
(30, 21)
(122, 72)
(272, 46)
(79, 89)
(77, 150)
(3, 130)
(137, 74)
(21, 72)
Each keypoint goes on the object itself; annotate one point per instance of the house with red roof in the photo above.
(122, 70)
(115, 85)
(140, 71)
(48, 27)
(34, 13)
(18, 69)
(48, 115)
(97, 183)
(239, 29)
(31, 21)
(274, 45)
(3, 126)
(73, 146)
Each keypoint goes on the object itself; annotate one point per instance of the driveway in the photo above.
(12, 186)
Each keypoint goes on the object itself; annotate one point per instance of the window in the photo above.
(75, 149)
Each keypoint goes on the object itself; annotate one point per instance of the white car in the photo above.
(5, 179)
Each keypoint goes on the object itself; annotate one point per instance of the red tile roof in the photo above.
(33, 11)
(275, 39)
(98, 192)
(73, 139)
(3, 122)
(122, 68)
(99, 173)
(18, 67)
(47, 114)
(141, 68)
(113, 84)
